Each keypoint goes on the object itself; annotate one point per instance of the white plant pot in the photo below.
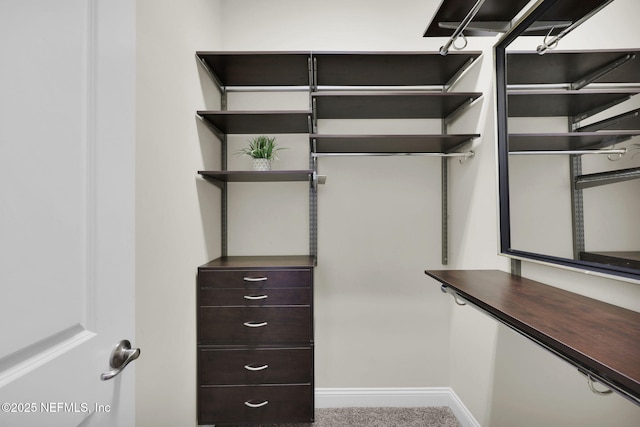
(261, 164)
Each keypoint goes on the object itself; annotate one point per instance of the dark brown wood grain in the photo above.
(269, 262)
(255, 297)
(601, 338)
(226, 404)
(226, 366)
(255, 278)
(290, 324)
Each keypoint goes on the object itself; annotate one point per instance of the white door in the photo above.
(67, 134)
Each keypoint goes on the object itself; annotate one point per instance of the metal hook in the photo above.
(545, 43)
(464, 39)
(612, 157)
(463, 159)
(596, 391)
(446, 290)
(455, 298)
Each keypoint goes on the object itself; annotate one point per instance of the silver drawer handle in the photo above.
(256, 405)
(254, 279)
(255, 368)
(254, 324)
(255, 297)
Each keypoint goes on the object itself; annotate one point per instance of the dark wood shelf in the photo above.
(566, 141)
(260, 261)
(456, 10)
(252, 122)
(502, 12)
(389, 143)
(258, 176)
(389, 105)
(258, 68)
(555, 67)
(627, 259)
(389, 68)
(599, 338)
(335, 68)
(557, 103)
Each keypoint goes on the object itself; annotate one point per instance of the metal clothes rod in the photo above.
(465, 155)
(620, 151)
(444, 50)
(554, 40)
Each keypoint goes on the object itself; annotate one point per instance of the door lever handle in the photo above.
(121, 356)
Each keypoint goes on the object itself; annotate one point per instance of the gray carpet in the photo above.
(379, 417)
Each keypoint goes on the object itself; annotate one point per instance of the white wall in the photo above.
(175, 212)
(380, 322)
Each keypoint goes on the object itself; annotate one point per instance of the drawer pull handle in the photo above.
(254, 324)
(254, 279)
(255, 297)
(256, 405)
(255, 368)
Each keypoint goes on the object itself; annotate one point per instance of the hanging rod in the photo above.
(444, 50)
(467, 154)
(620, 151)
(550, 44)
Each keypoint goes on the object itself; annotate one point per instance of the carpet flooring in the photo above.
(379, 417)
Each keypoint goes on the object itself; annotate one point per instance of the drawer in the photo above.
(254, 325)
(255, 366)
(263, 404)
(251, 296)
(256, 278)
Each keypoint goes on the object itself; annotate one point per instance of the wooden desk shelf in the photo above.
(600, 339)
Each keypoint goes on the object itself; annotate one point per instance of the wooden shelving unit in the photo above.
(591, 82)
(341, 85)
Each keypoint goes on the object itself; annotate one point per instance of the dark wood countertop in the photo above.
(601, 339)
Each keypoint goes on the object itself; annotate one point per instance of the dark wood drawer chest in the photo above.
(255, 340)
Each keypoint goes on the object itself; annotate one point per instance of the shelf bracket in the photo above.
(213, 76)
(604, 178)
(590, 78)
(453, 80)
(451, 117)
(582, 116)
(612, 121)
(219, 134)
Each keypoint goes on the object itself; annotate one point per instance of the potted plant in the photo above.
(262, 149)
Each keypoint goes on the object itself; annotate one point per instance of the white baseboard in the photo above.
(395, 397)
